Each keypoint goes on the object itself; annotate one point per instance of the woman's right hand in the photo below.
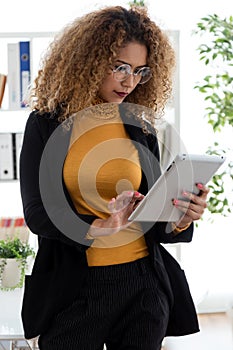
(120, 209)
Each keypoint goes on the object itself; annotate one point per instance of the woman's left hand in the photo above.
(194, 208)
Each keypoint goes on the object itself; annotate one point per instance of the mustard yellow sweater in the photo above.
(101, 163)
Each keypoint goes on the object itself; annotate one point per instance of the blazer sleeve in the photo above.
(50, 216)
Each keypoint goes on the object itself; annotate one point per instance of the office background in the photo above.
(208, 260)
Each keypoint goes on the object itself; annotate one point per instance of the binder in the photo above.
(13, 76)
(24, 52)
(18, 146)
(6, 157)
(18, 73)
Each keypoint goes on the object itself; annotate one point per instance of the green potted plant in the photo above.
(216, 53)
(13, 262)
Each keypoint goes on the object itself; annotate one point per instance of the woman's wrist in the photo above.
(177, 228)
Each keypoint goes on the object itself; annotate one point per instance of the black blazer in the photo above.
(61, 266)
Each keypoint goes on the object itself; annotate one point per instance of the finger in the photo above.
(199, 200)
(191, 214)
(190, 209)
(118, 203)
(138, 197)
(181, 205)
(203, 190)
(198, 208)
(111, 205)
(123, 200)
(128, 198)
(125, 195)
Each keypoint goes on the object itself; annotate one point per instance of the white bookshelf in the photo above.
(14, 121)
(39, 41)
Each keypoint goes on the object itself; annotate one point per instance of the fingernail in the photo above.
(185, 194)
(175, 202)
(137, 194)
(200, 186)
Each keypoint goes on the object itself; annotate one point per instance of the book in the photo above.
(18, 73)
(3, 79)
(11, 227)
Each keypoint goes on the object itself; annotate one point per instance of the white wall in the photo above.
(208, 260)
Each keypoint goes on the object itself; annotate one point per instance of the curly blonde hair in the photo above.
(75, 63)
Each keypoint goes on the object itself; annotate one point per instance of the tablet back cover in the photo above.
(182, 174)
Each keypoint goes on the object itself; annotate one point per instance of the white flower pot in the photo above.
(11, 274)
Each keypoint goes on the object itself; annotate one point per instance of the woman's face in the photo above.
(112, 90)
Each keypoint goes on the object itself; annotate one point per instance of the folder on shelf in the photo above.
(18, 73)
(3, 78)
(13, 75)
(18, 146)
(24, 51)
(6, 157)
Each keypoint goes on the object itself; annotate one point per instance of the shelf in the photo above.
(21, 109)
(3, 182)
(30, 35)
(14, 120)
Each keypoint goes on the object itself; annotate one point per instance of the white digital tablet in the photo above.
(184, 172)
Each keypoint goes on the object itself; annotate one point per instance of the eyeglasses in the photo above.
(141, 75)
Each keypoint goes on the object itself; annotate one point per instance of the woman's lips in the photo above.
(121, 94)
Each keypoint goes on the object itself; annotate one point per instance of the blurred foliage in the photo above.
(218, 201)
(216, 52)
(137, 3)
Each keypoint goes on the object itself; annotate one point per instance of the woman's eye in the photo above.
(122, 69)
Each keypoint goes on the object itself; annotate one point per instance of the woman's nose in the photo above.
(129, 81)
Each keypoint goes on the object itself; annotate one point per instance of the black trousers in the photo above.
(122, 306)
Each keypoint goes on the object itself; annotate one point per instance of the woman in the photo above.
(99, 279)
